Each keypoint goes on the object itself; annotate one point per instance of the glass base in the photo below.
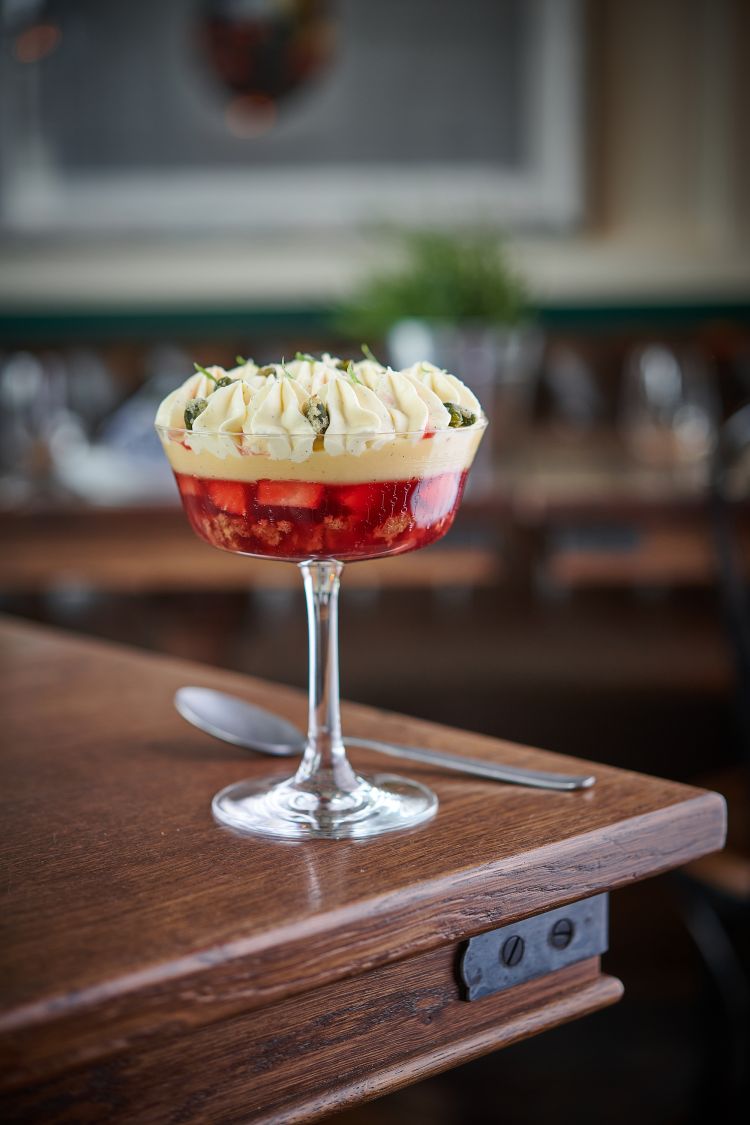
(288, 810)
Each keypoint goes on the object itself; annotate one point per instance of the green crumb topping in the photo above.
(267, 370)
(195, 407)
(460, 416)
(316, 414)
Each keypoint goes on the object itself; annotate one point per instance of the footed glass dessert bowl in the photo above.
(320, 462)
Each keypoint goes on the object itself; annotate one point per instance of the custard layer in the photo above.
(398, 459)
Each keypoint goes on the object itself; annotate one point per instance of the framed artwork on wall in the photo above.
(263, 116)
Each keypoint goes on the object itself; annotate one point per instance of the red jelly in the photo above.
(297, 520)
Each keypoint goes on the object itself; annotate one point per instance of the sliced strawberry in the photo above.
(189, 486)
(434, 497)
(229, 496)
(357, 498)
(289, 493)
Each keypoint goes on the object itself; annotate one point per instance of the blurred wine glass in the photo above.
(669, 407)
(576, 404)
(32, 388)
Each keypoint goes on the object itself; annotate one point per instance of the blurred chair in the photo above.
(715, 891)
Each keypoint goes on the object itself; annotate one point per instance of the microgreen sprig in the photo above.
(205, 371)
(222, 381)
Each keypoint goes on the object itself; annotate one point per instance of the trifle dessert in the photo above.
(321, 461)
(320, 458)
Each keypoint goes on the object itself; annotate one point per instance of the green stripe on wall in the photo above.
(93, 326)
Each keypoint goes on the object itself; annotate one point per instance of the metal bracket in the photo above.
(509, 956)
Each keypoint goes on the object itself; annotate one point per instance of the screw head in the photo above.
(512, 950)
(561, 934)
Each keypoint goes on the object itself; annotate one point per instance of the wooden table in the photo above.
(159, 969)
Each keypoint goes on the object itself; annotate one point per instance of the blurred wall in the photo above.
(670, 143)
(667, 213)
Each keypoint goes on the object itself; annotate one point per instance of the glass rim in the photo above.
(481, 424)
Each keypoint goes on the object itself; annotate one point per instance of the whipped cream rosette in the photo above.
(320, 419)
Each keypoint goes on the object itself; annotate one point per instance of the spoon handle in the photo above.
(538, 779)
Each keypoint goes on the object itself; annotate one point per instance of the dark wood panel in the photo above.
(153, 550)
(302, 1058)
(665, 556)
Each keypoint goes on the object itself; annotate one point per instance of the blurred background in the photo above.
(552, 199)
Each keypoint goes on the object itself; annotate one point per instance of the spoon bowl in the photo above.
(241, 723)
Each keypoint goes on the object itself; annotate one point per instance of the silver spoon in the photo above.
(243, 724)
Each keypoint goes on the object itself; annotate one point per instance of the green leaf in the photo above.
(205, 372)
(367, 353)
(449, 278)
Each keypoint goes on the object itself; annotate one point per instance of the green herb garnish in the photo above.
(195, 407)
(367, 353)
(305, 357)
(316, 414)
(241, 361)
(352, 373)
(266, 370)
(460, 416)
(204, 371)
(222, 381)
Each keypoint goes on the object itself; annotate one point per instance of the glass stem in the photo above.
(324, 767)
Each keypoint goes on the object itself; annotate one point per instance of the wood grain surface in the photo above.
(128, 916)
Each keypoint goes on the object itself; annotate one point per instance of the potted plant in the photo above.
(457, 301)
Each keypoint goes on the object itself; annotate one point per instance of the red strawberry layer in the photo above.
(298, 520)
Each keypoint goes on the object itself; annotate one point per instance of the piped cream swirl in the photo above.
(265, 410)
